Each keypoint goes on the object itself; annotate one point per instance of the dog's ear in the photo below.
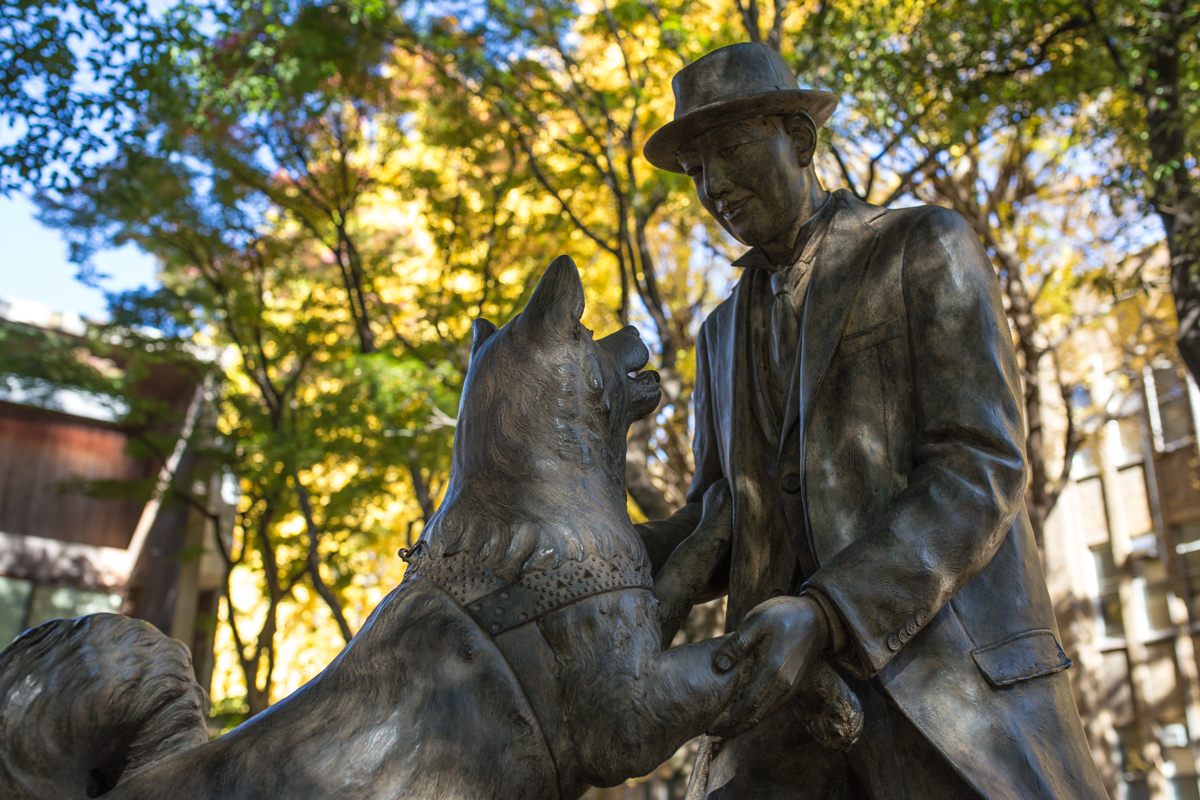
(481, 331)
(557, 302)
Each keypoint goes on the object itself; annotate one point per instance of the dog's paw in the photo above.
(691, 568)
(718, 504)
(830, 711)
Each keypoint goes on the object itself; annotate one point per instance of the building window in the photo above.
(1170, 413)
(1133, 761)
(1093, 517)
(25, 605)
(1157, 594)
(1107, 592)
(1129, 439)
(1087, 459)
(1187, 538)
(1135, 501)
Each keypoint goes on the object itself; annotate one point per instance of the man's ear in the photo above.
(804, 133)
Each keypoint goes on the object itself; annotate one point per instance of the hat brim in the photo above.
(664, 143)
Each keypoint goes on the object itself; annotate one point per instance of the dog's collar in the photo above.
(499, 606)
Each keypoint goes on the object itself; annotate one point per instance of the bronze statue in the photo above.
(522, 656)
(859, 392)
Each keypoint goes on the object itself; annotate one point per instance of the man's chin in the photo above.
(735, 231)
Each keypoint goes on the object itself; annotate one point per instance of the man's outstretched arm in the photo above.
(661, 537)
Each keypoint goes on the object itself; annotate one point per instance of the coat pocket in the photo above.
(856, 342)
(1021, 657)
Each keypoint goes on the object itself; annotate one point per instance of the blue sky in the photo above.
(34, 265)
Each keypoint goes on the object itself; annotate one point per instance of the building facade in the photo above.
(67, 550)
(1122, 558)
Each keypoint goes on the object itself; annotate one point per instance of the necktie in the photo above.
(785, 327)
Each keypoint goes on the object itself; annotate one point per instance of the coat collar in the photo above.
(755, 293)
(807, 241)
(838, 266)
(837, 270)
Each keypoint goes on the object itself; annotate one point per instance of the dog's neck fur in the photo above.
(531, 489)
(553, 516)
(538, 472)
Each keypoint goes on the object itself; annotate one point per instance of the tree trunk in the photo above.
(1037, 495)
(314, 562)
(421, 487)
(638, 481)
(257, 700)
(1175, 199)
(1183, 243)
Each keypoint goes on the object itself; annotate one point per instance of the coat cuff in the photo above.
(870, 646)
(838, 638)
(843, 647)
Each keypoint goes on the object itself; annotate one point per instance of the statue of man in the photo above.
(859, 390)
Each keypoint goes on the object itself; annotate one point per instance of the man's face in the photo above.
(749, 178)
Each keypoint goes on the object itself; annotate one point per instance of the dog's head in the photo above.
(545, 411)
(543, 384)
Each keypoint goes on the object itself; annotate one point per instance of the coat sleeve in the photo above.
(663, 536)
(968, 477)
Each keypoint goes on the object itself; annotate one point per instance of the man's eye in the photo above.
(728, 150)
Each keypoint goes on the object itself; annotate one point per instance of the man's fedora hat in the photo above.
(732, 83)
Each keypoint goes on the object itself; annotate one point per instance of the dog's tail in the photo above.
(88, 702)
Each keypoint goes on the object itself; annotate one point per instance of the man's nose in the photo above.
(716, 182)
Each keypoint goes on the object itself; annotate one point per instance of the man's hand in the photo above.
(774, 649)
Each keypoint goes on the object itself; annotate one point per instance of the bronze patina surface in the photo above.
(522, 656)
(859, 392)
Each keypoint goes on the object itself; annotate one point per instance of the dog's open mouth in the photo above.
(647, 381)
(645, 385)
(645, 392)
(630, 355)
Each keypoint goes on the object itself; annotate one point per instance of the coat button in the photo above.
(904, 637)
(921, 617)
(791, 482)
(893, 643)
(911, 627)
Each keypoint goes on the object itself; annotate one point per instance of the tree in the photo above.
(1154, 77)
(68, 79)
(260, 154)
(1127, 72)
(578, 94)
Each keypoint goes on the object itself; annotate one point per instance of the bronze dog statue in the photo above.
(522, 656)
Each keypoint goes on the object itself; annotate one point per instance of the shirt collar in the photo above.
(807, 239)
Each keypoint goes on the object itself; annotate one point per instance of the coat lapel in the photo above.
(838, 267)
(762, 559)
(730, 379)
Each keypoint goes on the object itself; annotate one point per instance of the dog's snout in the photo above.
(627, 349)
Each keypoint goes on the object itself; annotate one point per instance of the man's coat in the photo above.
(896, 491)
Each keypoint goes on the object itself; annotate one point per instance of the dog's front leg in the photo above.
(696, 560)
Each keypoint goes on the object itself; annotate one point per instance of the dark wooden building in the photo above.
(67, 551)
